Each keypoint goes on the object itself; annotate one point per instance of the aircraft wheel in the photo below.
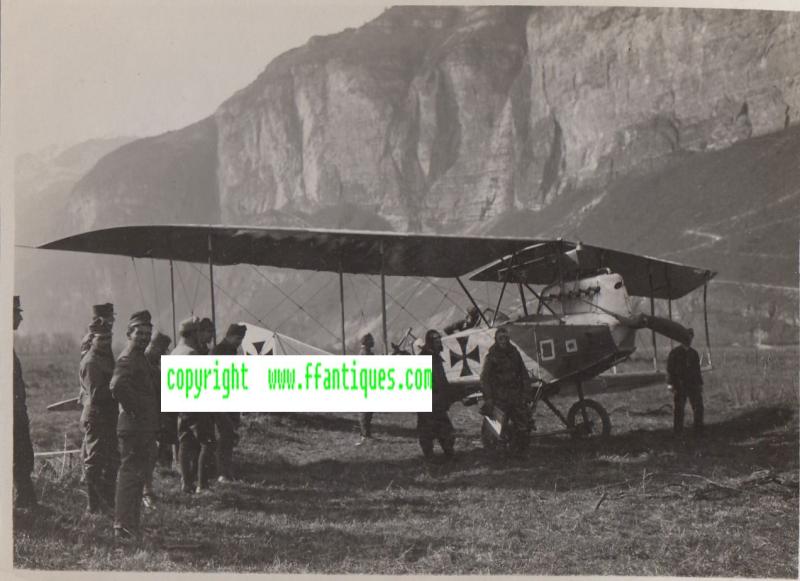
(488, 439)
(599, 422)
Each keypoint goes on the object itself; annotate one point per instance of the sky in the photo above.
(81, 69)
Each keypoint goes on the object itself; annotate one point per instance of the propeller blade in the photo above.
(660, 325)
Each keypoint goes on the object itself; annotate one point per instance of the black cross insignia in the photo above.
(259, 345)
(464, 356)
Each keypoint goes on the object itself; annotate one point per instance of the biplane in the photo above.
(577, 318)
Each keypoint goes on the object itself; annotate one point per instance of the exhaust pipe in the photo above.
(660, 325)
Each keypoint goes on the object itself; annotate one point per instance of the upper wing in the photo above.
(644, 276)
(391, 253)
(354, 252)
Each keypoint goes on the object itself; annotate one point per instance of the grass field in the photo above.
(639, 503)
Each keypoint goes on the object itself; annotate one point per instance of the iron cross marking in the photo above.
(464, 356)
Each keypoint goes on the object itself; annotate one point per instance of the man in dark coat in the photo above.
(472, 320)
(159, 343)
(99, 420)
(226, 422)
(436, 425)
(504, 384)
(103, 313)
(25, 496)
(195, 429)
(365, 418)
(132, 387)
(685, 381)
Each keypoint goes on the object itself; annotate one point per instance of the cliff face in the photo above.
(667, 132)
(443, 118)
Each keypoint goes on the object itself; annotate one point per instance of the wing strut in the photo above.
(653, 314)
(705, 320)
(341, 302)
(211, 282)
(172, 300)
(469, 296)
(383, 306)
(522, 298)
(505, 284)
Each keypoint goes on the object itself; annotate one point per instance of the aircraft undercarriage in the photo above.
(586, 418)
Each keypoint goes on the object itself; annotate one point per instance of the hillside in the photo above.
(644, 136)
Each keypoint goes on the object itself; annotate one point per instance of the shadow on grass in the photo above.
(755, 438)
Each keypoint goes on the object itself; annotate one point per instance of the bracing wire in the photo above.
(394, 300)
(286, 296)
(183, 286)
(358, 301)
(311, 316)
(138, 283)
(411, 295)
(155, 288)
(224, 292)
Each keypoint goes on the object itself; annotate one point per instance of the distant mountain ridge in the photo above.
(667, 132)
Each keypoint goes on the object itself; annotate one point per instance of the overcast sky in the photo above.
(105, 68)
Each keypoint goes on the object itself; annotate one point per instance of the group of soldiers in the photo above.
(126, 434)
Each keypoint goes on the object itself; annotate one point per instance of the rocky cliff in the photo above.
(441, 118)
(666, 131)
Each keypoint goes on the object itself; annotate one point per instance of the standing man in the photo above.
(226, 422)
(503, 383)
(686, 381)
(132, 387)
(365, 418)
(159, 343)
(436, 425)
(105, 313)
(195, 429)
(23, 448)
(206, 332)
(99, 420)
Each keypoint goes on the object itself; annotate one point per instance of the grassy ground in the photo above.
(640, 503)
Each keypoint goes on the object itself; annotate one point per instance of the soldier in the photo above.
(159, 343)
(99, 420)
(206, 333)
(195, 429)
(686, 381)
(365, 418)
(436, 425)
(226, 422)
(23, 448)
(472, 319)
(132, 387)
(105, 313)
(503, 382)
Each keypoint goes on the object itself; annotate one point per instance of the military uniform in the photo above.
(503, 382)
(158, 346)
(195, 438)
(436, 424)
(683, 372)
(226, 422)
(132, 386)
(99, 425)
(365, 418)
(23, 448)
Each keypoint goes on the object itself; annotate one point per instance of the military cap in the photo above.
(189, 326)
(368, 339)
(205, 324)
(235, 330)
(160, 340)
(105, 310)
(17, 305)
(140, 318)
(99, 327)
